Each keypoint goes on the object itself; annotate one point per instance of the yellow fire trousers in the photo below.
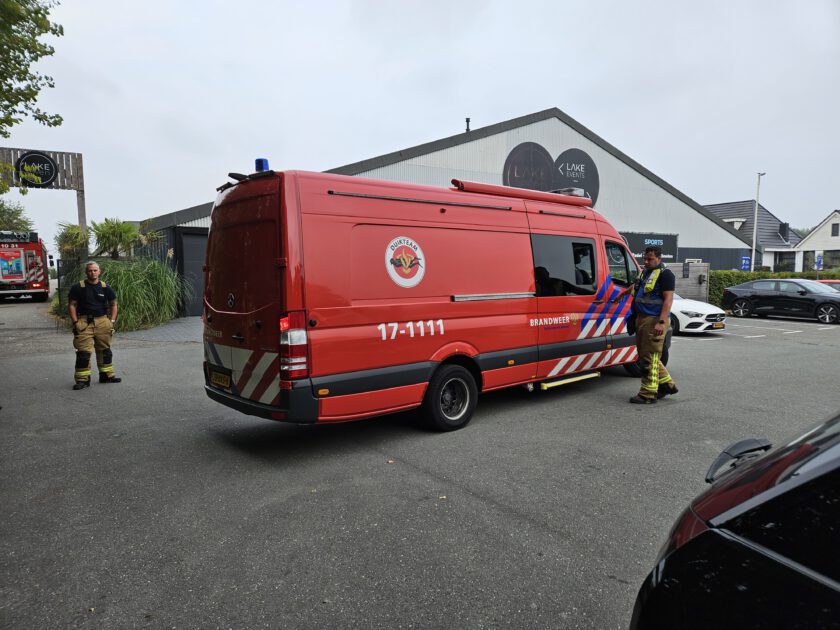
(650, 349)
(88, 337)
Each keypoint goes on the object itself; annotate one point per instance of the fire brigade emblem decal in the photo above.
(405, 262)
(231, 300)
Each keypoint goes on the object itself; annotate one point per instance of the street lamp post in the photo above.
(755, 219)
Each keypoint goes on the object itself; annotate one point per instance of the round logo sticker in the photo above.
(405, 262)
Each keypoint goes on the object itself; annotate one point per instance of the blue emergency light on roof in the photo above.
(261, 165)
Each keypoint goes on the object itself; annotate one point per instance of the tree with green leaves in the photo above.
(22, 24)
(114, 236)
(13, 216)
(71, 241)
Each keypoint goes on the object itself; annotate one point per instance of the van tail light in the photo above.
(294, 347)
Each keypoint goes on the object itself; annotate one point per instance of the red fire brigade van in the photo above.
(331, 298)
(23, 265)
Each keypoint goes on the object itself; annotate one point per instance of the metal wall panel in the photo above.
(630, 200)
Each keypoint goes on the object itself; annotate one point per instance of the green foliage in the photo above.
(71, 241)
(114, 236)
(149, 292)
(13, 216)
(719, 280)
(22, 24)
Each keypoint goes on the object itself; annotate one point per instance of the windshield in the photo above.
(816, 287)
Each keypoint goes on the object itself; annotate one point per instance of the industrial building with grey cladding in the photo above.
(546, 151)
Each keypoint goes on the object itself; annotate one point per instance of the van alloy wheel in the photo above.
(828, 313)
(451, 398)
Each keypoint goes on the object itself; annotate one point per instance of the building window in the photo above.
(784, 261)
(809, 261)
(831, 259)
(835, 229)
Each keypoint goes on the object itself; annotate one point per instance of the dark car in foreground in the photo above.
(760, 548)
(790, 297)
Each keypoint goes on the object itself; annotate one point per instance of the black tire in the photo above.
(450, 399)
(828, 313)
(39, 297)
(675, 325)
(636, 370)
(741, 308)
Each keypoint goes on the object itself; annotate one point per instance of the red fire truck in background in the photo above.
(23, 265)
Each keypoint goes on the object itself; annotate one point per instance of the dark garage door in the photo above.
(193, 243)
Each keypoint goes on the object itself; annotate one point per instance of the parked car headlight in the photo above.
(691, 314)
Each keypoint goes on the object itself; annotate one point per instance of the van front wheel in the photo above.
(450, 399)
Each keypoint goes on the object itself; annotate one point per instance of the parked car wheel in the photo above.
(450, 399)
(675, 324)
(827, 313)
(741, 308)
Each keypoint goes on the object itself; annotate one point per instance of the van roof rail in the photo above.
(523, 193)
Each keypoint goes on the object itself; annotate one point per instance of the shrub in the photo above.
(149, 292)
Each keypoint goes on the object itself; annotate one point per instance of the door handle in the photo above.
(597, 301)
(238, 337)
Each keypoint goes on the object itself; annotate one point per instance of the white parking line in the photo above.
(791, 332)
(762, 327)
(753, 336)
(828, 328)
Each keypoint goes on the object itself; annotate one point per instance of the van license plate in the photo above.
(220, 380)
(718, 325)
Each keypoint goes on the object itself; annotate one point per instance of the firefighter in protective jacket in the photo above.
(93, 311)
(652, 307)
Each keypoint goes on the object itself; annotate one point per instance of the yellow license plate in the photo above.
(718, 325)
(220, 380)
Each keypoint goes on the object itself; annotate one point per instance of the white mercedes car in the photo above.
(692, 316)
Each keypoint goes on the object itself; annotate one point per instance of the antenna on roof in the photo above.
(468, 125)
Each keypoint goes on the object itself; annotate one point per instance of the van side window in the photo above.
(564, 265)
(622, 269)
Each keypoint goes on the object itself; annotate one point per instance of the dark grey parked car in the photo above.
(791, 297)
(760, 548)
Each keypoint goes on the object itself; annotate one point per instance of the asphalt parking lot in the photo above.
(145, 504)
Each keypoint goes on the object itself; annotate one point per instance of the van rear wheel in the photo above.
(450, 399)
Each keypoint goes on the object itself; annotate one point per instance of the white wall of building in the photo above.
(631, 201)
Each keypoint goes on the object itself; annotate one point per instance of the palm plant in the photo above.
(114, 236)
(71, 241)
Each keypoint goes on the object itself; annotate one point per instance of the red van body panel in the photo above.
(388, 281)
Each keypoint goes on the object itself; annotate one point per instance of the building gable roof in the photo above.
(769, 225)
(381, 161)
(819, 227)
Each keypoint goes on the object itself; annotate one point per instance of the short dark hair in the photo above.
(655, 250)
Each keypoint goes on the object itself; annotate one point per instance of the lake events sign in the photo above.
(529, 165)
(36, 169)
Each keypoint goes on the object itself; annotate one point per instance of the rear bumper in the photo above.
(297, 405)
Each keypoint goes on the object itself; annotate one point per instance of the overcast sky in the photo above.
(163, 99)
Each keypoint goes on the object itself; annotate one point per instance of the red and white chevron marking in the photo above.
(594, 360)
(256, 374)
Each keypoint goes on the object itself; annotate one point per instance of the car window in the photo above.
(623, 270)
(764, 285)
(818, 287)
(802, 524)
(563, 265)
(789, 287)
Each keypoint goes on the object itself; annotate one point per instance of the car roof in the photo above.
(811, 454)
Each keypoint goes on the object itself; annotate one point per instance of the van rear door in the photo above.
(243, 291)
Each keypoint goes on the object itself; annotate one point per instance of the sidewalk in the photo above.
(176, 330)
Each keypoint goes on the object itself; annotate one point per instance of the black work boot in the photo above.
(642, 400)
(81, 385)
(103, 378)
(668, 389)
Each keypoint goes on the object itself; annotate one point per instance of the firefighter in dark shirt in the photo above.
(652, 307)
(93, 311)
